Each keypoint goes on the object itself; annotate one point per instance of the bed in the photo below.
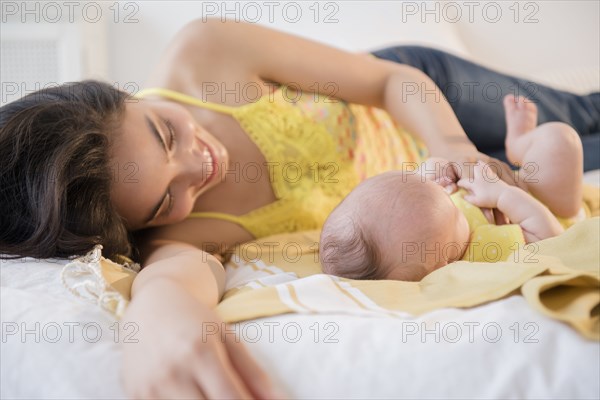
(57, 345)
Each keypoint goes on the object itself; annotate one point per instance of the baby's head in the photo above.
(393, 226)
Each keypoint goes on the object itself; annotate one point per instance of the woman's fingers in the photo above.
(228, 370)
(216, 375)
(251, 373)
(451, 188)
(184, 389)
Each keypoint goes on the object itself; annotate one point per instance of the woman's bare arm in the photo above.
(180, 350)
(253, 50)
(198, 272)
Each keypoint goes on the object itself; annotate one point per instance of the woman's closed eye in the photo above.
(171, 131)
(171, 203)
(169, 198)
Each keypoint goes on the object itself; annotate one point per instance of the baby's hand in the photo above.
(442, 172)
(484, 186)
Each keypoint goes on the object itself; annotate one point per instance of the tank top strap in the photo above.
(186, 99)
(217, 215)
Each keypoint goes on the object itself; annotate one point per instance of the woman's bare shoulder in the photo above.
(211, 50)
(210, 235)
(192, 56)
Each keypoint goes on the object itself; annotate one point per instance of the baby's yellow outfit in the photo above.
(488, 242)
(317, 150)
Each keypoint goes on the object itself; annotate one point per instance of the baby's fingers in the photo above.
(469, 197)
(465, 183)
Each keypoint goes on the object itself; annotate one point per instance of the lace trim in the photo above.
(84, 279)
(301, 140)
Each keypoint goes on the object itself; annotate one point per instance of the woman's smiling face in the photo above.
(162, 162)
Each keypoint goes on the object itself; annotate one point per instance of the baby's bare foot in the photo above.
(521, 118)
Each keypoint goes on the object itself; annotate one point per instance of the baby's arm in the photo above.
(487, 190)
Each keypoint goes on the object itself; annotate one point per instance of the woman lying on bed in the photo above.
(232, 151)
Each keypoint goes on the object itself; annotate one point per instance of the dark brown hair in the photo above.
(55, 177)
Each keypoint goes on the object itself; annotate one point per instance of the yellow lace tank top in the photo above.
(317, 148)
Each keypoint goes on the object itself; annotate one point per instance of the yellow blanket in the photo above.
(560, 277)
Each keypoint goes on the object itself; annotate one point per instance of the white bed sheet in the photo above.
(386, 358)
(312, 356)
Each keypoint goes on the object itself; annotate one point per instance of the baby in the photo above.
(404, 225)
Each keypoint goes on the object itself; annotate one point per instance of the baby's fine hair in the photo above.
(345, 250)
(351, 243)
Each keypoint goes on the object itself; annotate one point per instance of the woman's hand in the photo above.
(463, 155)
(180, 352)
(441, 171)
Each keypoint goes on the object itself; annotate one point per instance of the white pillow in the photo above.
(525, 37)
(580, 79)
(54, 345)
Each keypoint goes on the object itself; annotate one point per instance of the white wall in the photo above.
(542, 41)
(543, 35)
